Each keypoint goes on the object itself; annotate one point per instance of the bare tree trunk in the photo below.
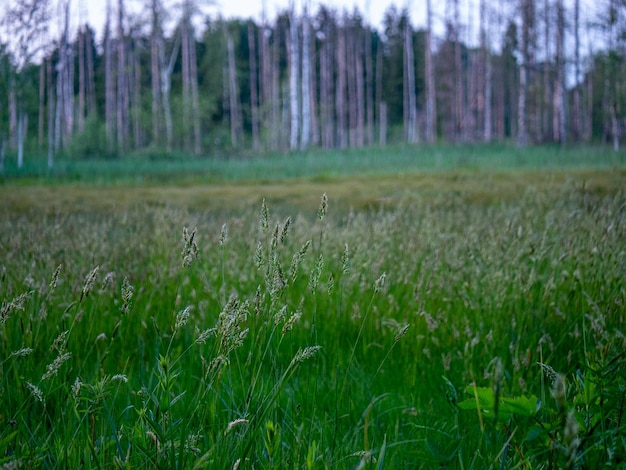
(340, 89)
(68, 90)
(109, 82)
(360, 86)
(122, 81)
(235, 125)
(431, 110)
(380, 105)
(382, 137)
(195, 99)
(2, 152)
(576, 112)
(91, 84)
(487, 88)
(80, 114)
(22, 128)
(369, 87)
(294, 80)
(313, 81)
(326, 89)
(51, 115)
(63, 118)
(42, 102)
(559, 86)
(459, 92)
(306, 81)
(254, 100)
(411, 101)
(547, 107)
(527, 8)
(12, 112)
(155, 72)
(276, 95)
(136, 100)
(265, 81)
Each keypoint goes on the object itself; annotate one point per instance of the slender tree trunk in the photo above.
(136, 101)
(276, 94)
(576, 111)
(359, 84)
(547, 107)
(411, 101)
(42, 102)
(487, 87)
(167, 67)
(306, 82)
(12, 112)
(380, 105)
(254, 100)
(195, 99)
(294, 80)
(122, 81)
(265, 81)
(559, 85)
(340, 89)
(109, 82)
(313, 84)
(91, 84)
(527, 8)
(235, 125)
(155, 73)
(326, 89)
(65, 88)
(459, 91)
(369, 87)
(80, 114)
(431, 110)
(22, 127)
(51, 115)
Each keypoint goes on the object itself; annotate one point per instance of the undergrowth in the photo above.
(431, 334)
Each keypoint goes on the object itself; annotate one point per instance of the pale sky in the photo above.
(372, 10)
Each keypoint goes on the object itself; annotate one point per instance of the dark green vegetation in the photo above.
(462, 319)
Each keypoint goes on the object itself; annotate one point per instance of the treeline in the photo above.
(310, 79)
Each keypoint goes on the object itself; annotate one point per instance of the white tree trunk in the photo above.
(294, 79)
(306, 82)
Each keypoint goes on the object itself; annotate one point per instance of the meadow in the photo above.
(469, 316)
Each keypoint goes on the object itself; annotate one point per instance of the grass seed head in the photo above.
(182, 318)
(306, 353)
(380, 283)
(52, 369)
(190, 247)
(89, 281)
(22, 352)
(223, 235)
(36, 393)
(265, 218)
(285, 231)
(321, 212)
(55, 277)
(127, 295)
(234, 424)
(13, 306)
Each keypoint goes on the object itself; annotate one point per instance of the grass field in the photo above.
(467, 317)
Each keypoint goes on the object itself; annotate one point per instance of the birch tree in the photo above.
(431, 109)
(559, 127)
(411, 101)
(527, 13)
(27, 22)
(294, 79)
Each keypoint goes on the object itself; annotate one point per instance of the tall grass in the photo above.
(434, 333)
(319, 163)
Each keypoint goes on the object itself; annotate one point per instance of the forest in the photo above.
(172, 81)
